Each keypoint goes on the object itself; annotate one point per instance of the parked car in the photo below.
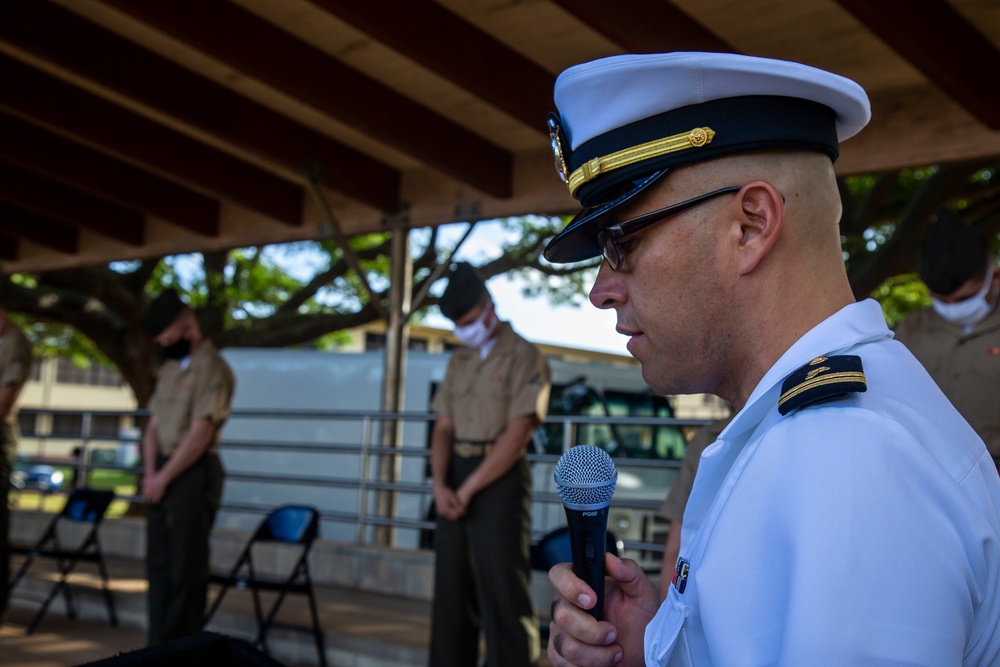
(38, 477)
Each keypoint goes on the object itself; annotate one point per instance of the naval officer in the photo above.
(848, 514)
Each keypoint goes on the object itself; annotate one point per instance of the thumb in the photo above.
(626, 572)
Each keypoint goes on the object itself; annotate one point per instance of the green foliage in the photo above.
(50, 338)
(54, 339)
(901, 295)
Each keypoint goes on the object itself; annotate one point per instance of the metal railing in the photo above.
(360, 451)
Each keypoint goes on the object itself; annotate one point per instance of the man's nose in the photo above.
(608, 290)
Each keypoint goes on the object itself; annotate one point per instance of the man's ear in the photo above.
(761, 219)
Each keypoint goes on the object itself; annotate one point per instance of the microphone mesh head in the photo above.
(585, 475)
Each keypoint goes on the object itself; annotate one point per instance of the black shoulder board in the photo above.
(822, 379)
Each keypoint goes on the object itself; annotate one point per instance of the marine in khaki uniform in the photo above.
(958, 339)
(183, 475)
(494, 395)
(15, 365)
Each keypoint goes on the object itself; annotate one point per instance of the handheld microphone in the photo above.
(585, 479)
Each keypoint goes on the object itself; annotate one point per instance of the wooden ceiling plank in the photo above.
(85, 169)
(32, 93)
(264, 52)
(63, 38)
(469, 57)
(55, 201)
(19, 223)
(936, 39)
(647, 26)
(9, 248)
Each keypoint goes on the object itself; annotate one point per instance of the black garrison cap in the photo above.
(465, 289)
(952, 253)
(162, 312)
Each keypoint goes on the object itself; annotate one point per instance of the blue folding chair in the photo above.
(294, 525)
(84, 507)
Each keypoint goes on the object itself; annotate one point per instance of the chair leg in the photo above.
(60, 585)
(317, 631)
(66, 566)
(109, 601)
(20, 572)
(261, 640)
(265, 624)
(215, 605)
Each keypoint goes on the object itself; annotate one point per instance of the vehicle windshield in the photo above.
(619, 440)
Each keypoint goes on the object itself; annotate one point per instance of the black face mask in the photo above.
(177, 350)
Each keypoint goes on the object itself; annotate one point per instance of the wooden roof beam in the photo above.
(9, 248)
(263, 52)
(60, 159)
(57, 202)
(19, 223)
(966, 68)
(63, 38)
(487, 68)
(31, 93)
(646, 26)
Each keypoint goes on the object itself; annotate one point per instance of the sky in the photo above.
(583, 326)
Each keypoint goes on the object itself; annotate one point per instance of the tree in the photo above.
(886, 216)
(245, 297)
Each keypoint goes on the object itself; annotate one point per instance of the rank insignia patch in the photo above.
(822, 379)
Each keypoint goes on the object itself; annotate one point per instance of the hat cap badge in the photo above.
(698, 137)
(558, 155)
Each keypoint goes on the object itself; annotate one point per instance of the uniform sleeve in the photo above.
(853, 547)
(213, 393)
(530, 385)
(442, 401)
(154, 399)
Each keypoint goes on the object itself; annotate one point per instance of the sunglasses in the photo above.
(610, 237)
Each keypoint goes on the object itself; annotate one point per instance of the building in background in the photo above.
(68, 395)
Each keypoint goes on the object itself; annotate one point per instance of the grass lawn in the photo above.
(122, 483)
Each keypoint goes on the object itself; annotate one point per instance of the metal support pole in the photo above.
(397, 338)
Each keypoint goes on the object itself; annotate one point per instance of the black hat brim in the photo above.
(577, 242)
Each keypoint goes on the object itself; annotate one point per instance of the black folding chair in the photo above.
(86, 508)
(554, 548)
(289, 525)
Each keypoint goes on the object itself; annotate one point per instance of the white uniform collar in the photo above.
(852, 325)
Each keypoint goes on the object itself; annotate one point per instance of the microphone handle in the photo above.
(588, 531)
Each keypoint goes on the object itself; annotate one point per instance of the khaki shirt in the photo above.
(965, 366)
(672, 508)
(182, 396)
(482, 395)
(15, 361)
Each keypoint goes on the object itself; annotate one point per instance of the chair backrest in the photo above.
(555, 548)
(87, 505)
(291, 524)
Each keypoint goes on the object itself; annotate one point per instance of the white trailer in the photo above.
(258, 444)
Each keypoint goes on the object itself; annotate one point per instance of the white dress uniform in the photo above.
(861, 530)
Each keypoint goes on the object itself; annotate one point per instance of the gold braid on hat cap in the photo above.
(591, 169)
